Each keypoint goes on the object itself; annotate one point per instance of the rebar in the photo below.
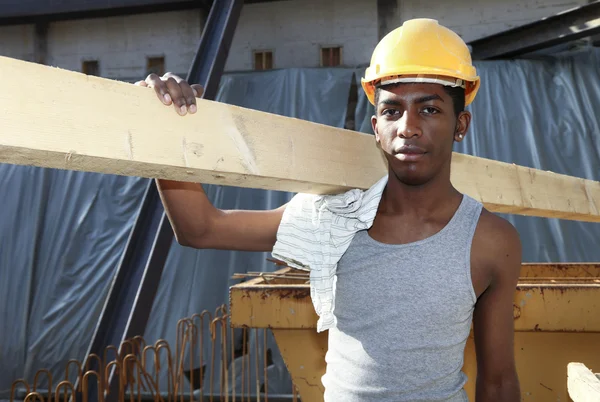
(131, 367)
(119, 367)
(116, 351)
(100, 366)
(99, 384)
(201, 336)
(14, 386)
(49, 376)
(32, 395)
(162, 344)
(134, 363)
(79, 372)
(66, 384)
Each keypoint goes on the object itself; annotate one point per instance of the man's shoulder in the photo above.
(497, 243)
(494, 229)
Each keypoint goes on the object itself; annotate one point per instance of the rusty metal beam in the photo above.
(559, 307)
(262, 303)
(556, 322)
(561, 28)
(549, 298)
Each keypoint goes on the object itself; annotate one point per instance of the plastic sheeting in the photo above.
(61, 237)
(61, 233)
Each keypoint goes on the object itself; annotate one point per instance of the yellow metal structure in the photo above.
(556, 322)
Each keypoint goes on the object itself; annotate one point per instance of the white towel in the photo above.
(315, 232)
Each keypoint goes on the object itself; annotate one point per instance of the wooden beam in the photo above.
(583, 385)
(61, 119)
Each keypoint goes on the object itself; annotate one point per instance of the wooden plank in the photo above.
(582, 384)
(62, 119)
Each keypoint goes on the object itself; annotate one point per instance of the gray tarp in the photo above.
(61, 233)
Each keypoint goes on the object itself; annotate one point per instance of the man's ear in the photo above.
(374, 126)
(462, 125)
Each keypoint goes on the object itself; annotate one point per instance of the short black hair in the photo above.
(457, 94)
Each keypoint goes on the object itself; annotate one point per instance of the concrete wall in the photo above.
(121, 44)
(17, 41)
(293, 29)
(296, 29)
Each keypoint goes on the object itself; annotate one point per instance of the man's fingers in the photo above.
(161, 89)
(188, 94)
(198, 90)
(172, 89)
(177, 95)
(186, 90)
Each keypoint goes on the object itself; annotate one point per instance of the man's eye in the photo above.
(389, 112)
(430, 110)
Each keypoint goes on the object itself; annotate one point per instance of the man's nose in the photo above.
(408, 125)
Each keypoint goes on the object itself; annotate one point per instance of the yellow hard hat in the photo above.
(422, 50)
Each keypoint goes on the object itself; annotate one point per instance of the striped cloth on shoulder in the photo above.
(315, 232)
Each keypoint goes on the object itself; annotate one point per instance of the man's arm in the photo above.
(493, 317)
(195, 221)
(198, 224)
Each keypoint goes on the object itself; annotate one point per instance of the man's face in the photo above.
(415, 125)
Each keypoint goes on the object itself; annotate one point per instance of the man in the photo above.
(415, 262)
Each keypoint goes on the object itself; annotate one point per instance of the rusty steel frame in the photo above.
(555, 312)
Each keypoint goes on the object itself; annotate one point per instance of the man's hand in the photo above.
(174, 90)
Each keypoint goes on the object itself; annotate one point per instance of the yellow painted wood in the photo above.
(67, 120)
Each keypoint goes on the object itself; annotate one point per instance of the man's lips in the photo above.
(410, 150)
(409, 153)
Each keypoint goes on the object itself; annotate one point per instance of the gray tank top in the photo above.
(403, 315)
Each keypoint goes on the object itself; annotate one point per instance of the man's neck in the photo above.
(400, 199)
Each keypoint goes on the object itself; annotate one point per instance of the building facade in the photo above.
(278, 34)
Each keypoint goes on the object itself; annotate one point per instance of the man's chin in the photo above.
(411, 177)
